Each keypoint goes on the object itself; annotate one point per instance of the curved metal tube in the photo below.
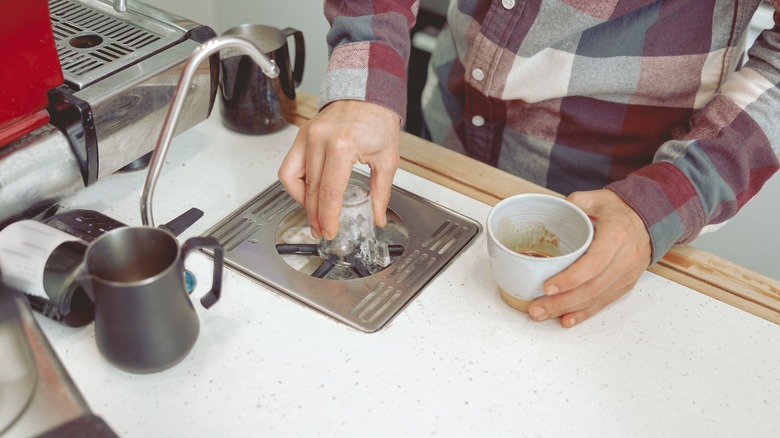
(268, 67)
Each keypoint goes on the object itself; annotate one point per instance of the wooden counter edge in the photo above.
(699, 270)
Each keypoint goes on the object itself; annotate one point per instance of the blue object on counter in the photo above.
(189, 281)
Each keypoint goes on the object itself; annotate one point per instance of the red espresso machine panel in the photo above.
(29, 67)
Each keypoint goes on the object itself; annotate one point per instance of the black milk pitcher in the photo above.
(144, 318)
(252, 103)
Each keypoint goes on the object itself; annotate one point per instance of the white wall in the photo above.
(304, 15)
(751, 239)
(200, 11)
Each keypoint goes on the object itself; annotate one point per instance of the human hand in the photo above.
(319, 163)
(617, 257)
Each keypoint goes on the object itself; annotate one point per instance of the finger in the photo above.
(571, 319)
(544, 308)
(596, 259)
(583, 297)
(335, 177)
(381, 184)
(312, 189)
(292, 172)
(314, 163)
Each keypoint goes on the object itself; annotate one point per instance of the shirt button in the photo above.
(477, 121)
(478, 74)
(508, 4)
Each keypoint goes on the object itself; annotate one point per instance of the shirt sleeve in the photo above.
(706, 175)
(369, 52)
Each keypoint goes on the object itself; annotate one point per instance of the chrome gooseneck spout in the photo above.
(210, 47)
(120, 5)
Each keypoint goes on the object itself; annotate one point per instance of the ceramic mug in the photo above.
(144, 319)
(252, 103)
(532, 237)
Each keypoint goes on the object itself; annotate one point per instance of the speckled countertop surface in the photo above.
(662, 361)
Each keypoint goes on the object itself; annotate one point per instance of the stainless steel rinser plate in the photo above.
(424, 238)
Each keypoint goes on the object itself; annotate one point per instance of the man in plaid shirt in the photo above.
(635, 109)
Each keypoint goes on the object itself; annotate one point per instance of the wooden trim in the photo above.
(699, 270)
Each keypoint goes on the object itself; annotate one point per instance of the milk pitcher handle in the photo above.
(212, 296)
(300, 54)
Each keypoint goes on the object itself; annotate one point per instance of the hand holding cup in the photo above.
(532, 237)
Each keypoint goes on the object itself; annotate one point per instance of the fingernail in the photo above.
(551, 290)
(536, 311)
(571, 321)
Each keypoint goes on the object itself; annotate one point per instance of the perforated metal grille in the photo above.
(92, 42)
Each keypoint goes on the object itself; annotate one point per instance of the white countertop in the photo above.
(662, 361)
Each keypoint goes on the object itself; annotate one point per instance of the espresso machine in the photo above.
(84, 88)
(86, 94)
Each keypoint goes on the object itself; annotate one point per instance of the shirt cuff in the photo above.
(666, 201)
(371, 72)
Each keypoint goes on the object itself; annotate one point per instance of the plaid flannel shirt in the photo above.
(641, 97)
